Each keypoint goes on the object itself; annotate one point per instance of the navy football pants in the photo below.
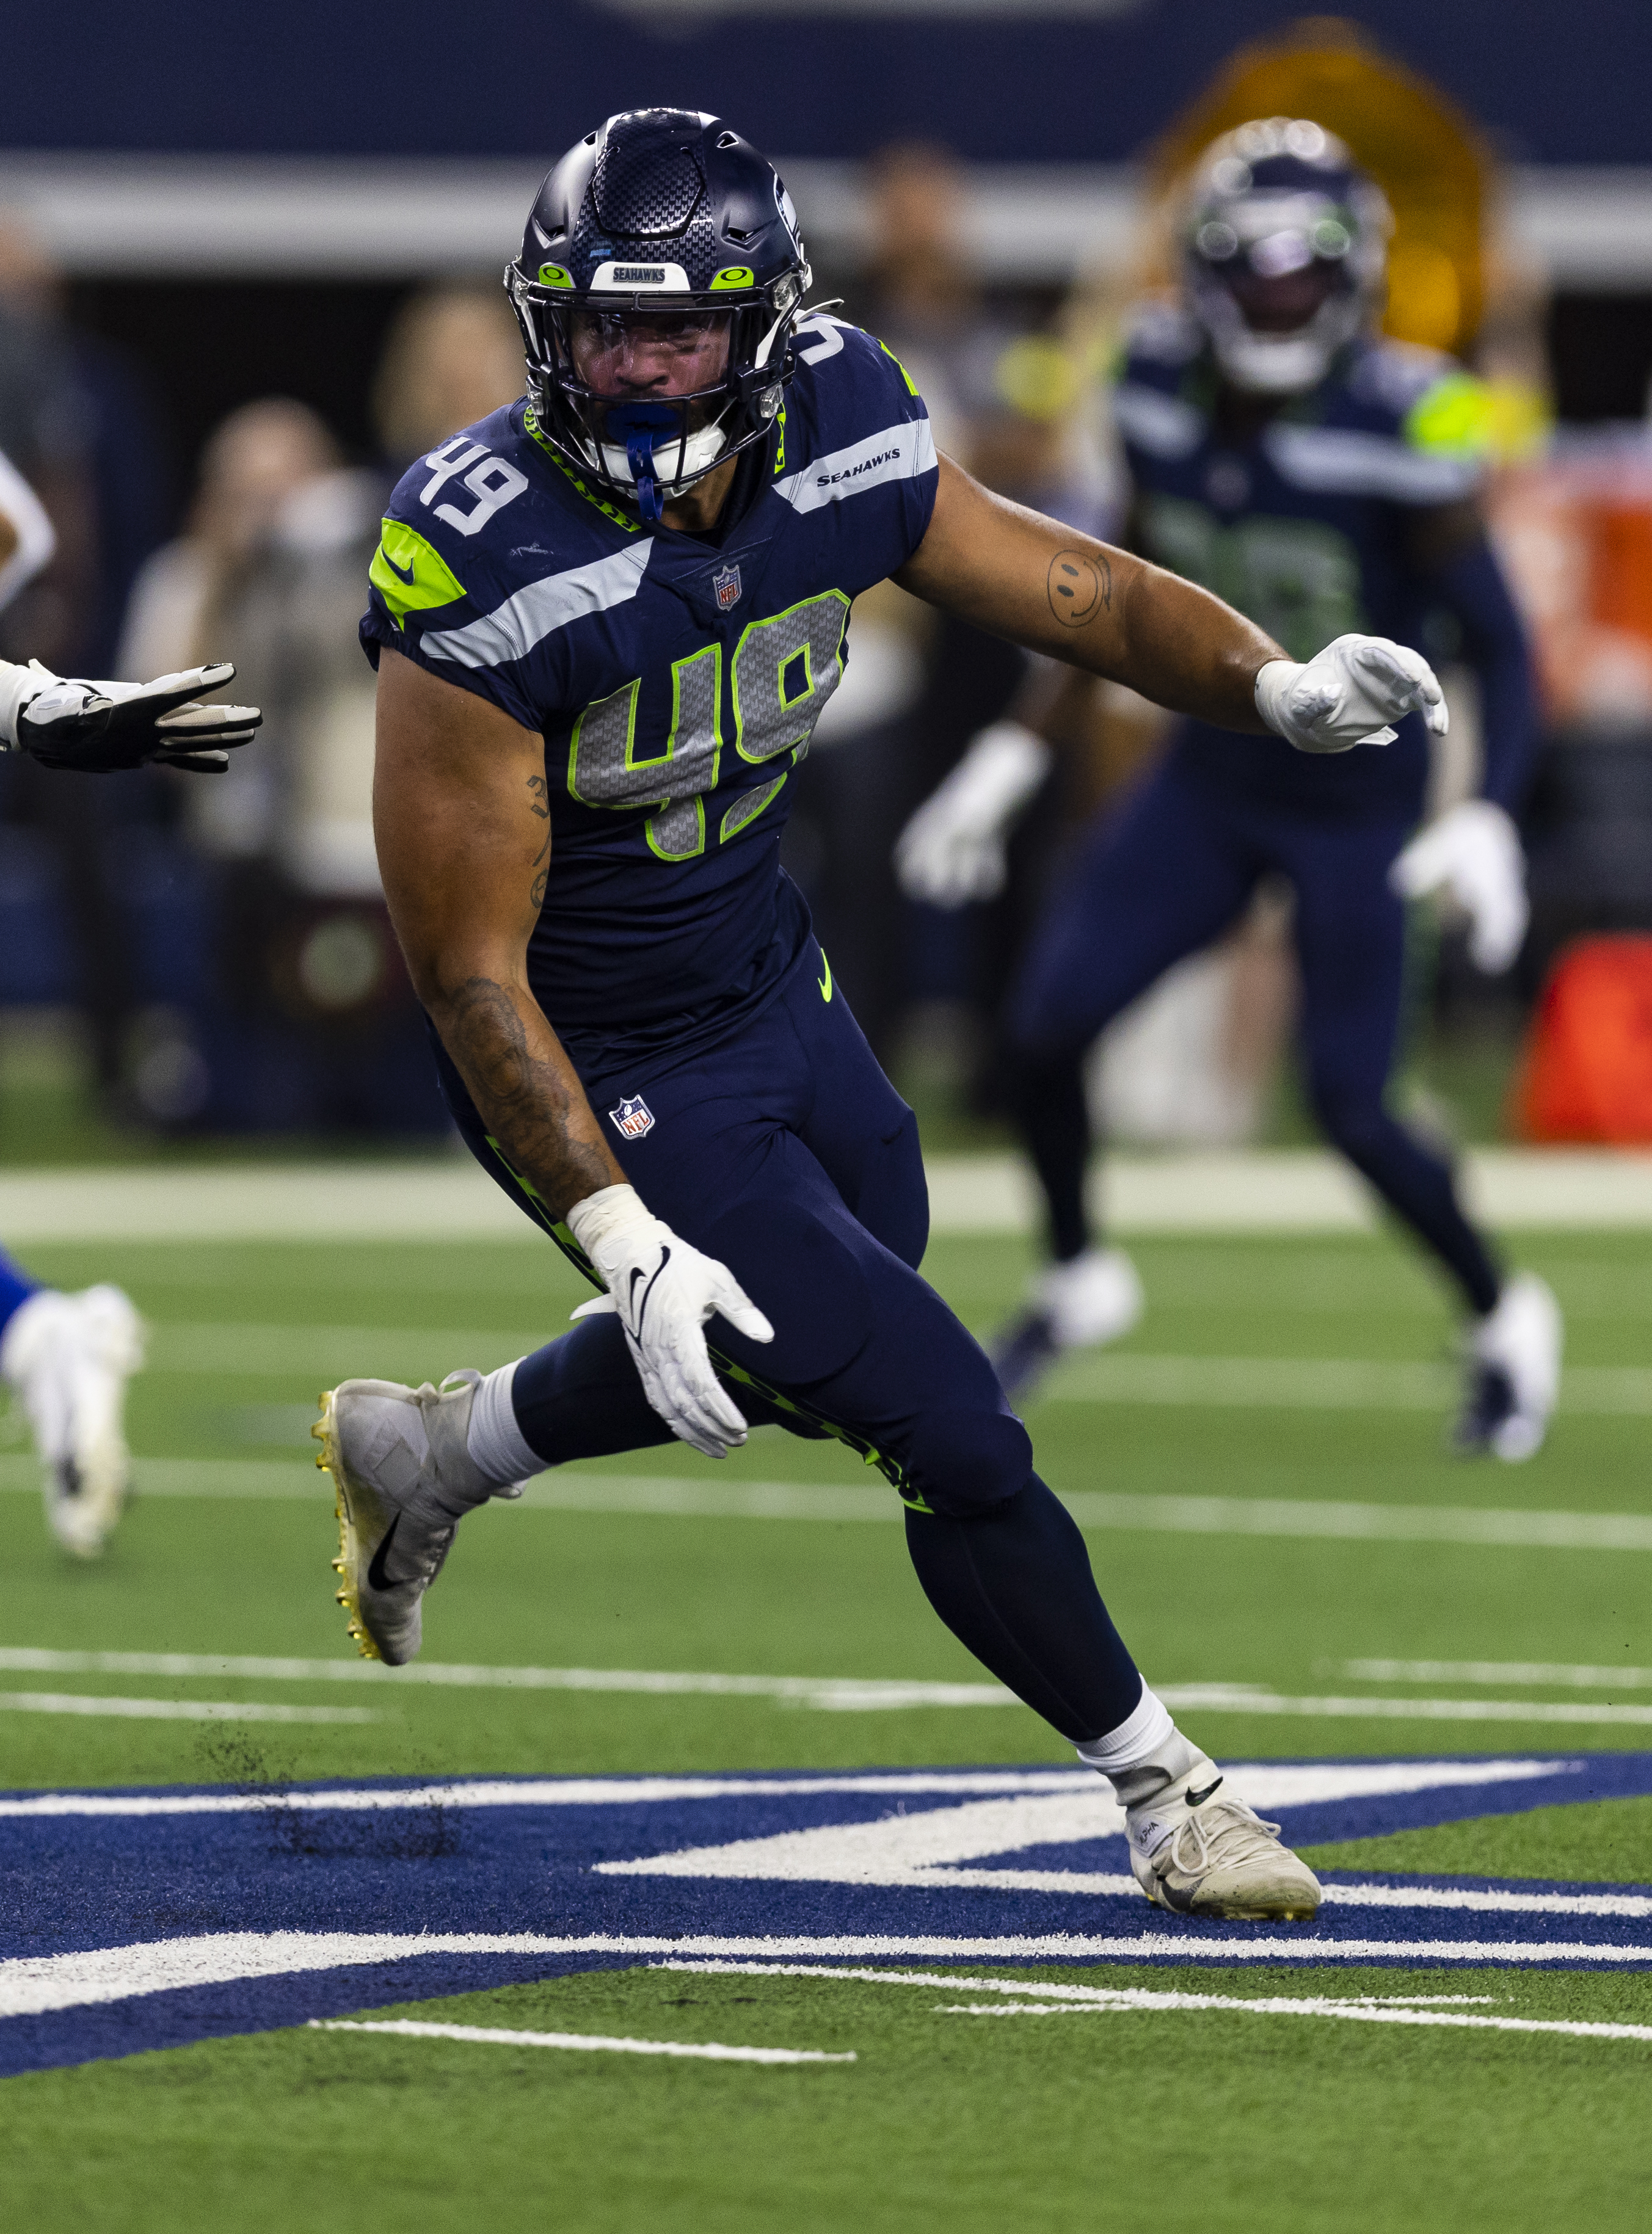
(1160, 879)
(787, 1154)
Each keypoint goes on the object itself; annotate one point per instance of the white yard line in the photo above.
(1560, 1674)
(279, 1350)
(1047, 2001)
(830, 1694)
(709, 2051)
(36, 1984)
(441, 1198)
(175, 1710)
(694, 1497)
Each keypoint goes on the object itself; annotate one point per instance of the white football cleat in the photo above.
(1092, 1298)
(1514, 1372)
(404, 1479)
(69, 1359)
(1196, 1848)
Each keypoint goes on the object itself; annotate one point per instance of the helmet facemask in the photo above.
(1285, 247)
(650, 395)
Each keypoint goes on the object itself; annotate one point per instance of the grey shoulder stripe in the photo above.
(899, 453)
(1346, 462)
(512, 630)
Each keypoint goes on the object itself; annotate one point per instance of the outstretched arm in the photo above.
(464, 842)
(1016, 574)
(463, 825)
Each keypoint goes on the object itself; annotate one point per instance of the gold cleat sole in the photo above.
(325, 1432)
(1301, 1915)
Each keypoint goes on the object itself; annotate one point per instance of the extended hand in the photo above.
(100, 726)
(1473, 851)
(664, 1291)
(1349, 694)
(952, 850)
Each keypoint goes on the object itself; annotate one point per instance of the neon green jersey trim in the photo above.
(911, 385)
(1453, 418)
(532, 426)
(410, 574)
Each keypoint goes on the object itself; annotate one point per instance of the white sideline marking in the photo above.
(579, 1791)
(1244, 1699)
(840, 1692)
(281, 1350)
(687, 1498)
(35, 1985)
(709, 2051)
(1266, 1191)
(1559, 1672)
(1496, 1901)
(832, 1694)
(1269, 1783)
(175, 1710)
(1050, 2001)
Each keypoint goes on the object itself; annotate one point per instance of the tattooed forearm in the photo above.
(528, 1092)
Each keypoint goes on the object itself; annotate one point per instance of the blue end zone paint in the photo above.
(73, 1883)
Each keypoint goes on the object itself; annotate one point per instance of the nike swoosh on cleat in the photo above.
(1199, 1798)
(377, 1577)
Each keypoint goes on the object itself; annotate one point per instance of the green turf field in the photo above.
(1077, 2119)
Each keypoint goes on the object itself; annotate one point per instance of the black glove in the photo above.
(100, 726)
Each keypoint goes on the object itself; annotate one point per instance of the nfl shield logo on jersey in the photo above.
(726, 583)
(634, 1118)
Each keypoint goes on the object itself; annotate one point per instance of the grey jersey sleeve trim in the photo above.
(512, 630)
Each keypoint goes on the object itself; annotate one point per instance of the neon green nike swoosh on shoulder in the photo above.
(824, 983)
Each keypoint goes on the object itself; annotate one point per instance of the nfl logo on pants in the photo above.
(726, 583)
(634, 1118)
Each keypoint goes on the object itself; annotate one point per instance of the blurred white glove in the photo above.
(953, 848)
(1349, 694)
(664, 1291)
(1474, 851)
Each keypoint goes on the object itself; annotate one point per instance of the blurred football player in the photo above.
(68, 1358)
(1324, 481)
(605, 621)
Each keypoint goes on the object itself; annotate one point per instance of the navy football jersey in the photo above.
(677, 679)
(1303, 527)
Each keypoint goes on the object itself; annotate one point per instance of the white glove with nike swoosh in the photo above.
(664, 1291)
(1349, 694)
(1473, 850)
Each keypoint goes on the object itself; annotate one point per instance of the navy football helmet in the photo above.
(660, 275)
(1284, 243)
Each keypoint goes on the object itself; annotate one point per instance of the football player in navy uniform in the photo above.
(605, 621)
(1324, 481)
(68, 1358)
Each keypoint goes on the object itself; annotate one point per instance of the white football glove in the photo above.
(664, 1291)
(100, 726)
(1349, 694)
(953, 848)
(1474, 851)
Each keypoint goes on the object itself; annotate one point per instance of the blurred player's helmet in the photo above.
(1284, 241)
(660, 275)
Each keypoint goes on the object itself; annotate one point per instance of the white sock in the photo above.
(1143, 1753)
(497, 1446)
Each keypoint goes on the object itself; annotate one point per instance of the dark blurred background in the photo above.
(249, 270)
